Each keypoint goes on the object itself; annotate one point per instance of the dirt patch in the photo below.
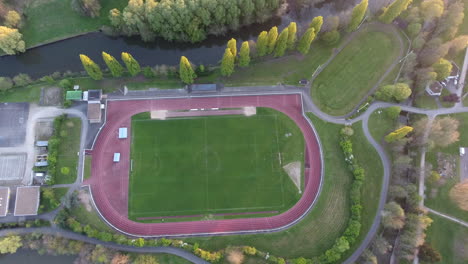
(52, 96)
(446, 165)
(250, 111)
(159, 114)
(85, 200)
(235, 256)
(44, 129)
(293, 169)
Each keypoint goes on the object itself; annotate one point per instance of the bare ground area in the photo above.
(293, 169)
(51, 96)
(85, 199)
(44, 129)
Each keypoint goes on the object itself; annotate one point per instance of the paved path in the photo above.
(451, 218)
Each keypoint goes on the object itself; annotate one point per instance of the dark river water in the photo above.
(63, 55)
(32, 257)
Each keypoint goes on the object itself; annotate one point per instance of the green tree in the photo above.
(394, 10)
(398, 92)
(5, 84)
(292, 35)
(359, 11)
(282, 43)
(393, 216)
(12, 19)
(116, 19)
(22, 79)
(232, 45)
(10, 244)
(145, 259)
(272, 38)
(262, 43)
(431, 9)
(306, 40)
(93, 70)
(331, 37)
(398, 134)
(414, 29)
(11, 41)
(114, 66)
(132, 65)
(244, 54)
(187, 75)
(393, 112)
(316, 24)
(227, 63)
(443, 68)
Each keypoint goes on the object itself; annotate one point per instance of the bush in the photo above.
(66, 84)
(22, 79)
(148, 72)
(5, 83)
(331, 38)
(249, 250)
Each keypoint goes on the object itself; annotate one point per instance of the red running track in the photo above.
(109, 181)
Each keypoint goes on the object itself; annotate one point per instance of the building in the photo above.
(4, 200)
(42, 143)
(122, 132)
(94, 111)
(94, 95)
(74, 95)
(435, 89)
(116, 157)
(27, 200)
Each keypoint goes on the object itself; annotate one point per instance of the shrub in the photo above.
(331, 38)
(5, 83)
(148, 72)
(66, 84)
(22, 79)
(249, 250)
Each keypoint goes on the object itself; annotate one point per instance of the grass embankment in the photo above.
(327, 220)
(441, 201)
(354, 71)
(224, 164)
(52, 20)
(89, 217)
(50, 198)
(449, 238)
(87, 167)
(70, 132)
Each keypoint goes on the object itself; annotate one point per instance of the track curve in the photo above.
(109, 181)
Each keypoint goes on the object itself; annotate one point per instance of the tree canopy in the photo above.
(262, 43)
(359, 11)
(11, 41)
(227, 63)
(292, 35)
(114, 66)
(316, 24)
(394, 10)
(244, 54)
(393, 216)
(304, 44)
(132, 65)
(282, 43)
(10, 244)
(443, 68)
(232, 45)
(186, 72)
(93, 70)
(431, 9)
(272, 38)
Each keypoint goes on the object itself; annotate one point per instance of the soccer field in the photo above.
(213, 165)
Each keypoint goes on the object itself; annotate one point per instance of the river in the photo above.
(63, 55)
(32, 257)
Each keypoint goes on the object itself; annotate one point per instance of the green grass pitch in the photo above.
(211, 165)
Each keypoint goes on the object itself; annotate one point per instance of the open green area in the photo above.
(319, 229)
(380, 124)
(354, 71)
(87, 167)
(67, 157)
(449, 238)
(442, 202)
(212, 165)
(52, 20)
(51, 198)
(87, 215)
(30, 93)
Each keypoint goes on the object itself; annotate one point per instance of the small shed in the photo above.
(122, 132)
(4, 200)
(42, 143)
(27, 200)
(74, 95)
(116, 157)
(94, 95)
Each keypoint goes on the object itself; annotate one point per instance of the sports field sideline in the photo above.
(211, 165)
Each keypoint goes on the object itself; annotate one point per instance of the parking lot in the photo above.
(13, 120)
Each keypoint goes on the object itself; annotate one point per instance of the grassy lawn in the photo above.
(47, 204)
(68, 149)
(87, 167)
(449, 238)
(52, 20)
(380, 125)
(85, 217)
(442, 202)
(31, 93)
(425, 101)
(319, 229)
(289, 69)
(353, 72)
(224, 164)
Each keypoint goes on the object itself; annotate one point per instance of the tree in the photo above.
(232, 45)
(433, 177)
(5, 84)
(331, 37)
(65, 170)
(187, 75)
(431, 9)
(359, 11)
(304, 44)
(12, 19)
(272, 38)
(455, 46)
(443, 68)
(393, 112)
(227, 63)
(11, 41)
(394, 10)
(114, 66)
(428, 254)
(10, 244)
(22, 79)
(282, 43)
(132, 65)
(116, 19)
(244, 54)
(262, 44)
(398, 134)
(414, 29)
(458, 194)
(120, 259)
(316, 24)
(93, 70)
(398, 92)
(443, 132)
(448, 24)
(145, 259)
(381, 245)
(292, 35)
(393, 216)
(368, 257)
(87, 7)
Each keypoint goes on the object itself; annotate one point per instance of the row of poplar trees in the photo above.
(114, 66)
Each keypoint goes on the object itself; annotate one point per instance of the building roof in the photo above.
(123, 132)
(94, 112)
(435, 88)
(42, 143)
(116, 157)
(27, 200)
(74, 95)
(4, 200)
(94, 95)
